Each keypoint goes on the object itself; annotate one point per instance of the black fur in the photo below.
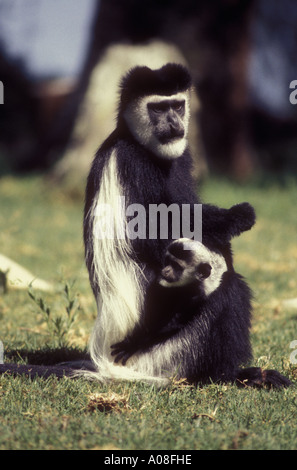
(34, 370)
(142, 81)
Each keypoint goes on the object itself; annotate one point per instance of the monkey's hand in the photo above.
(123, 350)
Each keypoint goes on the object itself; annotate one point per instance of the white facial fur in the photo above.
(201, 255)
(140, 125)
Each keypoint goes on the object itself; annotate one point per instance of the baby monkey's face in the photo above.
(188, 261)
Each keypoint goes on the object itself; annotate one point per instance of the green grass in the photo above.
(41, 228)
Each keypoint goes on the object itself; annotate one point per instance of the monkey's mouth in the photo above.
(162, 281)
(171, 136)
(165, 280)
(168, 281)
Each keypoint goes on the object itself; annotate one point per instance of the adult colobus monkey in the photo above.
(145, 161)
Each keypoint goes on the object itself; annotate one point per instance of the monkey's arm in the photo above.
(143, 338)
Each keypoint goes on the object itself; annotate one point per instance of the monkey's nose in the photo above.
(168, 274)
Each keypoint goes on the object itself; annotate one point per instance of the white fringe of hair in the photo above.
(121, 296)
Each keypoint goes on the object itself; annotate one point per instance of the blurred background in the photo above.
(61, 61)
(60, 66)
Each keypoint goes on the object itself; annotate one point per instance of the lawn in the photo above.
(41, 228)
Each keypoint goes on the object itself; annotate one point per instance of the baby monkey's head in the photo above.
(189, 261)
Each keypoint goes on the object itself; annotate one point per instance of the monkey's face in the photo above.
(178, 273)
(160, 123)
(189, 261)
(167, 117)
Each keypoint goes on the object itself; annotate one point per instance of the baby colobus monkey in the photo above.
(193, 301)
(190, 263)
(191, 273)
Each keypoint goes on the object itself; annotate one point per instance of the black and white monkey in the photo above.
(202, 305)
(145, 162)
(191, 274)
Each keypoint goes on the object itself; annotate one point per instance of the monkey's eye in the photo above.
(204, 269)
(178, 107)
(157, 109)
